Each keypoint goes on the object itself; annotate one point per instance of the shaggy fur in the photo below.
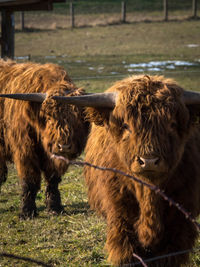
(31, 132)
(149, 118)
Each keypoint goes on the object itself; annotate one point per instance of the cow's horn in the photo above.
(98, 100)
(34, 97)
(191, 98)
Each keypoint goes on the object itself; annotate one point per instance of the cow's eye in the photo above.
(49, 120)
(174, 125)
(125, 126)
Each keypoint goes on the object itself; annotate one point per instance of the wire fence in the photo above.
(143, 262)
(154, 188)
(157, 190)
(140, 260)
(91, 13)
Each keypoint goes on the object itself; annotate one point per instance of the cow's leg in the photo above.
(179, 237)
(30, 180)
(53, 199)
(28, 196)
(3, 173)
(3, 167)
(121, 240)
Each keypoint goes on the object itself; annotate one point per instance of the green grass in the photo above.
(77, 237)
(141, 41)
(74, 238)
(108, 47)
(65, 240)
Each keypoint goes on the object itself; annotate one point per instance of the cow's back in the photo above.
(17, 117)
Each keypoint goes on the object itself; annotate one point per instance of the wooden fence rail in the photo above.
(73, 6)
(124, 11)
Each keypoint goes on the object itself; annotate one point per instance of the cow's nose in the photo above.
(149, 163)
(64, 148)
(60, 147)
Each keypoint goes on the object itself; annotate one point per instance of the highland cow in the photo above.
(150, 131)
(38, 133)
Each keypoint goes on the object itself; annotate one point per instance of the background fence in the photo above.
(91, 13)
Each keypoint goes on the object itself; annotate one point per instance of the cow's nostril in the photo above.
(59, 147)
(148, 163)
(68, 147)
(141, 162)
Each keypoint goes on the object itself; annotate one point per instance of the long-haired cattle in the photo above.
(150, 131)
(36, 134)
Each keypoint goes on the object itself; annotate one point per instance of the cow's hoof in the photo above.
(3, 178)
(55, 210)
(28, 214)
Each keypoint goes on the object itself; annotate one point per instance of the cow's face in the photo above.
(150, 139)
(149, 127)
(62, 129)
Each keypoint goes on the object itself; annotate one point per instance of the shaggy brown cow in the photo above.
(151, 133)
(33, 131)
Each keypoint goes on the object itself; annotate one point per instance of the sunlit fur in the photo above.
(31, 132)
(149, 117)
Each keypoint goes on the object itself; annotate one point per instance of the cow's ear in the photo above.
(100, 116)
(31, 111)
(194, 111)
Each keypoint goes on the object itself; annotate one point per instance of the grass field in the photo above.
(95, 57)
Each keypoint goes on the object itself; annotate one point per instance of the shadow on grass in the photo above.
(77, 208)
(70, 209)
(26, 259)
(27, 30)
(2, 211)
(3, 200)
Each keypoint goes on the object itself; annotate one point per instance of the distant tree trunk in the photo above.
(22, 19)
(194, 8)
(7, 34)
(72, 14)
(123, 12)
(165, 6)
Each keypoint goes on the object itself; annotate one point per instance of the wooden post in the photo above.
(194, 8)
(7, 34)
(72, 14)
(165, 5)
(22, 19)
(123, 12)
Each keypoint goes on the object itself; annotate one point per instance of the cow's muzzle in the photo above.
(66, 150)
(149, 163)
(150, 167)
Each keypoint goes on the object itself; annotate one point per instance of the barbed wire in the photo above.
(141, 261)
(161, 257)
(156, 189)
